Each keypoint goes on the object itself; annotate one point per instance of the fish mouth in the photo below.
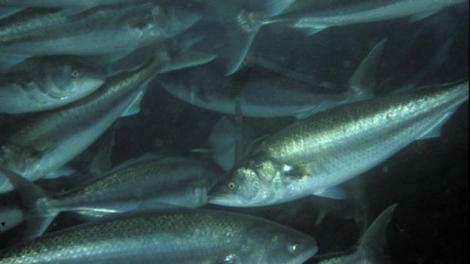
(231, 200)
(225, 200)
(310, 250)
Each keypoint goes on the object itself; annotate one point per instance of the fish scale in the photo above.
(317, 153)
(172, 237)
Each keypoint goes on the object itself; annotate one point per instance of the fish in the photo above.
(60, 3)
(38, 145)
(242, 21)
(268, 95)
(370, 247)
(181, 236)
(114, 31)
(149, 182)
(314, 155)
(31, 19)
(316, 21)
(45, 83)
(25, 21)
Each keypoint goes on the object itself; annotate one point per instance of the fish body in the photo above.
(317, 153)
(194, 236)
(31, 19)
(370, 12)
(60, 3)
(149, 183)
(47, 141)
(44, 83)
(23, 22)
(104, 31)
(266, 97)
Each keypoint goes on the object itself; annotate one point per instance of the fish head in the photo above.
(284, 245)
(73, 78)
(160, 23)
(253, 183)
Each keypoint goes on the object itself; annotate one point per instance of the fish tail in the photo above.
(39, 213)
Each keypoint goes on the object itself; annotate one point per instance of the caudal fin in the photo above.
(243, 28)
(38, 215)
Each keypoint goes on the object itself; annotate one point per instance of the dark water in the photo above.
(428, 179)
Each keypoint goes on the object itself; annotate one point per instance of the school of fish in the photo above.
(71, 71)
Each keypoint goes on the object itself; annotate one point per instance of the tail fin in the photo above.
(241, 35)
(242, 29)
(38, 215)
(372, 242)
(363, 78)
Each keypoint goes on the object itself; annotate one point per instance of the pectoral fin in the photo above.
(332, 193)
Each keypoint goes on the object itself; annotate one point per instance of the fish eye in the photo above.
(293, 247)
(75, 74)
(231, 186)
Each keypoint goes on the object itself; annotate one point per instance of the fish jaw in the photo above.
(259, 181)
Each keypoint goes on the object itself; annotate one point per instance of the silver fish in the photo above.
(44, 83)
(193, 236)
(267, 95)
(315, 154)
(109, 31)
(149, 182)
(47, 141)
(24, 22)
(31, 19)
(316, 21)
(60, 3)
(369, 249)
